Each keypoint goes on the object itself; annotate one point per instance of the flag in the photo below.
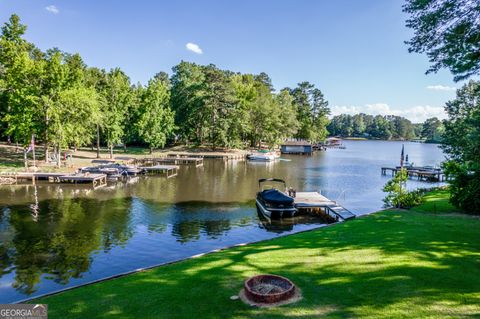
(31, 147)
(402, 155)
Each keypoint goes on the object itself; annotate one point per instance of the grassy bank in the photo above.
(422, 263)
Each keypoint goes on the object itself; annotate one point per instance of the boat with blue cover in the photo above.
(273, 202)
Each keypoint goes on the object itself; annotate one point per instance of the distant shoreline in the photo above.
(392, 140)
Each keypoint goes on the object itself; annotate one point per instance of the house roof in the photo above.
(297, 143)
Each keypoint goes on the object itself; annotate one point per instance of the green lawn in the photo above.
(393, 264)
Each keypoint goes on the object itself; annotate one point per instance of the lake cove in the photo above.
(56, 236)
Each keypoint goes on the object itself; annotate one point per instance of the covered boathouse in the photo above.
(297, 147)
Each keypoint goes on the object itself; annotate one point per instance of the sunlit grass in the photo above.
(392, 264)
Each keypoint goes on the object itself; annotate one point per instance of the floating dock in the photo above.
(97, 180)
(171, 160)
(225, 157)
(314, 202)
(168, 170)
(421, 173)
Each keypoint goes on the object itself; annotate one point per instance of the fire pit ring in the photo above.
(267, 289)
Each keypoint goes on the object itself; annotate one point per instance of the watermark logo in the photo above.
(24, 311)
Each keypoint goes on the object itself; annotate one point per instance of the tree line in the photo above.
(56, 97)
(385, 127)
(448, 32)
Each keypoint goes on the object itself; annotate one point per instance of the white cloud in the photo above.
(439, 87)
(53, 9)
(416, 114)
(194, 48)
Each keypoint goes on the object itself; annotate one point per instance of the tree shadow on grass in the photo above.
(387, 265)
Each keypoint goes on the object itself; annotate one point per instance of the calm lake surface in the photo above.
(53, 237)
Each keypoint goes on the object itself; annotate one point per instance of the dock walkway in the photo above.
(173, 160)
(314, 201)
(421, 173)
(225, 157)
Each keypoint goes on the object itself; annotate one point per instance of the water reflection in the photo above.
(57, 243)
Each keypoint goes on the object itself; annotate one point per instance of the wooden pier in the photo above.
(421, 173)
(168, 170)
(315, 203)
(224, 157)
(97, 180)
(171, 160)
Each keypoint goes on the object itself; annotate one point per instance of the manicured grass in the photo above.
(437, 202)
(393, 264)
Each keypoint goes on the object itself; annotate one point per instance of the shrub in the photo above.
(464, 180)
(398, 196)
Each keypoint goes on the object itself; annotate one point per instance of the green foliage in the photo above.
(432, 130)
(156, 119)
(116, 98)
(312, 110)
(461, 141)
(464, 186)
(19, 81)
(187, 100)
(262, 115)
(65, 103)
(74, 116)
(219, 108)
(379, 127)
(448, 31)
(397, 194)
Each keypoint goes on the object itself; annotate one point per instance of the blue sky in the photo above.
(352, 50)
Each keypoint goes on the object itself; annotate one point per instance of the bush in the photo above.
(464, 187)
(398, 196)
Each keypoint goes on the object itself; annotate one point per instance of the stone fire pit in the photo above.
(264, 290)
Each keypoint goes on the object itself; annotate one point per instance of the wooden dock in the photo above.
(33, 176)
(97, 180)
(420, 173)
(224, 157)
(314, 202)
(171, 160)
(168, 170)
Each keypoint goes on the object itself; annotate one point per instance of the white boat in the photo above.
(264, 157)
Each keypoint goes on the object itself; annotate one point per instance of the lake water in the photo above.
(53, 237)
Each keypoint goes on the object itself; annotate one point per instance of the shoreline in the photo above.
(144, 269)
(11, 157)
(351, 261)
(213, 251)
